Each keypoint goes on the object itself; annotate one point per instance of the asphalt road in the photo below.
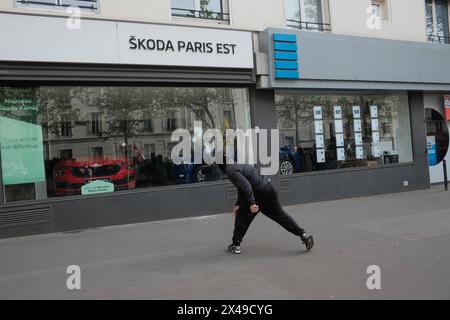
(407, 235)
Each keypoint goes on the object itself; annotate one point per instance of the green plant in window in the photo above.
(204, 9)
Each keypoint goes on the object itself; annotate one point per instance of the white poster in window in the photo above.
(319, 141)
(318, 126)
(318, 113)
(337, 112)
(338, 127)
(356, 112)
(359, 152)
(340, 154)
(375, 137)
(374, 111)
(339, 140)
(358, 139)
(357, 125)
(376, 152)
(320, 155)
(374, 124)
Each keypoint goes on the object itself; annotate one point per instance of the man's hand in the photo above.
(235, 209)
(254, 208)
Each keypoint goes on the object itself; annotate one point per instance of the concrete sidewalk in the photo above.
(407, 235)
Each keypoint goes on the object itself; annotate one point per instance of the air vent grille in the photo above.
(11, 217)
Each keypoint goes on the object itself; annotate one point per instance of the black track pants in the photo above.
(269, 205)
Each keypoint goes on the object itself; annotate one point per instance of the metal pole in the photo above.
(444, 163)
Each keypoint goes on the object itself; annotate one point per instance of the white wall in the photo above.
(136, 10)
(257, 14)
(153, 10)
(435, 102)
(406, 19)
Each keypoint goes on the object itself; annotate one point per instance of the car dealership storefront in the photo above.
(86, 118)
(350, 111)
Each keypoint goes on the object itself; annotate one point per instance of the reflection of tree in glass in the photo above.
(122, 108)
(212, 10)
(201, 101)
(204, 10)
(313, 11)
(57, 110)
(295, 110)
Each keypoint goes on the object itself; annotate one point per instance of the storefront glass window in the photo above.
(60, 141)
(437, 136)
(203, 9)
(321, 132)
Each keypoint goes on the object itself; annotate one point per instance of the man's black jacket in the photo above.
(247, 179)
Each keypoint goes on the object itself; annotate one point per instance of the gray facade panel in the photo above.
(435, 64)
(386, 62)
(317, 62)
(361, 85)
(75, 213)
(348, 60)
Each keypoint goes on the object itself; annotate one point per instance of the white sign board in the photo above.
(356, 112)
(340, 154)
(319, 141)
(47, 39)
(338, 127)
(374, 124)
(374, 111)
(184, 46)
(318, 126)
(320, 153)
(357, 125)
(339, 140)
(337, 112)
(375, 137)
(358, 138)
(317, 112)
(359, 153)
(376, 151)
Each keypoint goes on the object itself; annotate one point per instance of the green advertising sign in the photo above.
(22, 152)
(21, 143)
(19, 103)
(97, 186)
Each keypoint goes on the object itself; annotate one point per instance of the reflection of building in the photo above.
(227, 68)
(87, 136)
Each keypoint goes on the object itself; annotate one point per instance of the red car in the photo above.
(71, 175)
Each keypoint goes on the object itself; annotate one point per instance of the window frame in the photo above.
(118, 193)
(224, 7)
(352, 92)
(324, 25)
(59, 6)
(432, 37)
